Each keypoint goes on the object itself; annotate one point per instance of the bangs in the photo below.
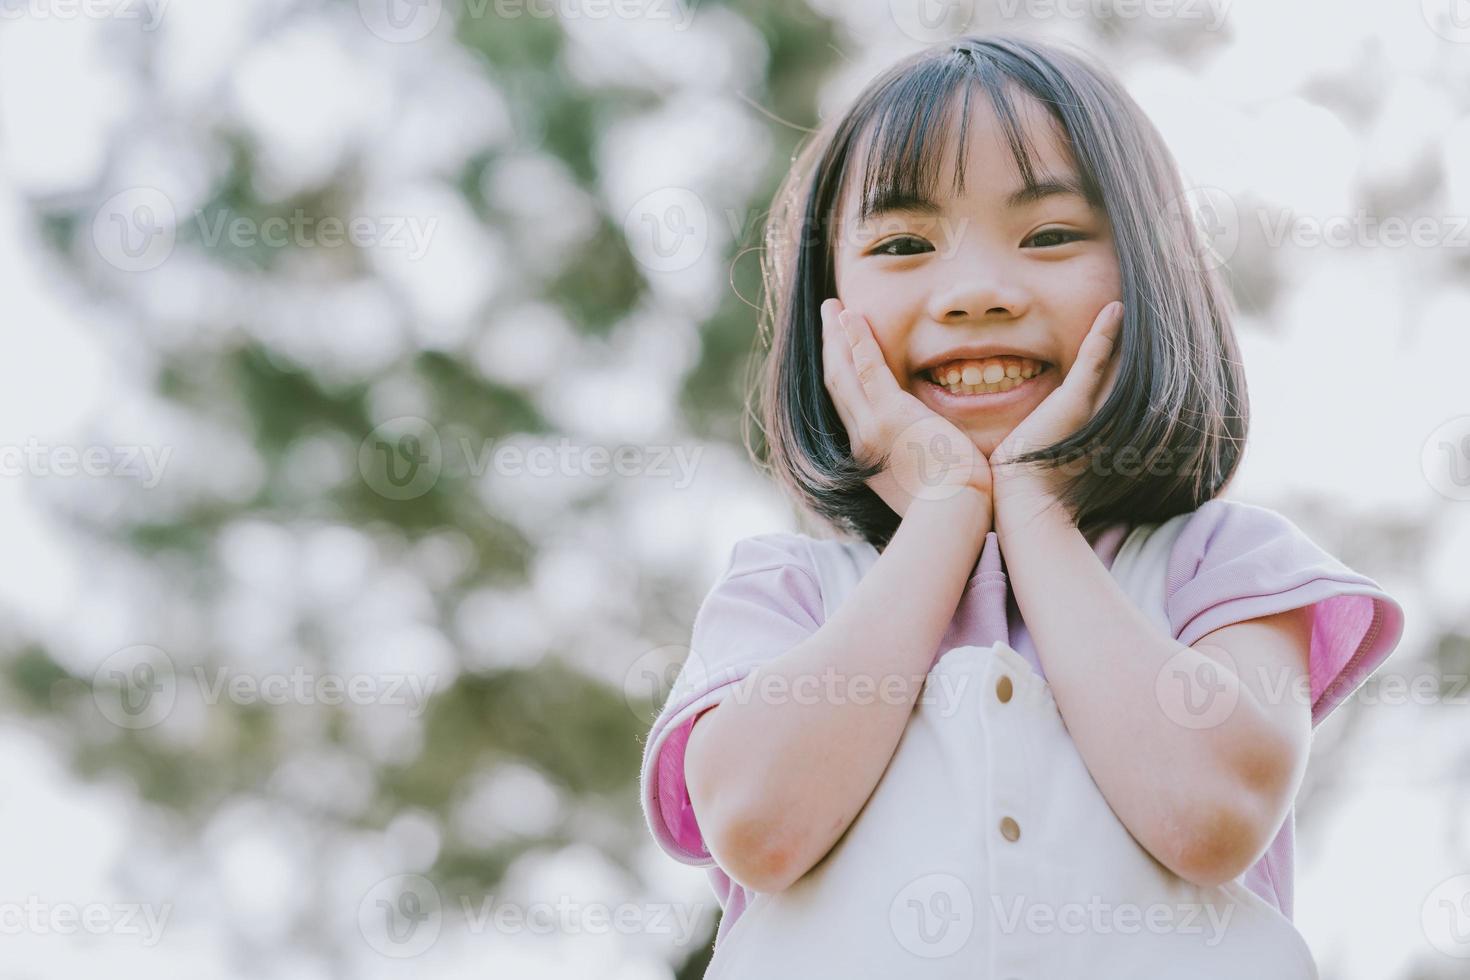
(903, 151)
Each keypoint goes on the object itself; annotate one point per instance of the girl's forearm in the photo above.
(1171, 785)
(779, 769)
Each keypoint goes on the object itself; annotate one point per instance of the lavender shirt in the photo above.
(1232, 562)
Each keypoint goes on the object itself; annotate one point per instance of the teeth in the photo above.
(1004, 384)
(988, 375)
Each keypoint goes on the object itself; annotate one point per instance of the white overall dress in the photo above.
(987, 852)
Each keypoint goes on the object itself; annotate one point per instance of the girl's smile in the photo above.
(1015, 393)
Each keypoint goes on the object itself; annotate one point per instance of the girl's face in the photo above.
(991, 284)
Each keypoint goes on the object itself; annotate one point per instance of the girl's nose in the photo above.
(977, 296)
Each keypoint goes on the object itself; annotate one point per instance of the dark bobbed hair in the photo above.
(1180, 396)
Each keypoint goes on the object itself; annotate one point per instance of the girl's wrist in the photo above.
(967, 510)
(1023, 498)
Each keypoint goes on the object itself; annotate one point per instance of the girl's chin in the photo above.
(985, 438)
(986, 443)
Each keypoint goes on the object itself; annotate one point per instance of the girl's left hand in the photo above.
(1071, 405)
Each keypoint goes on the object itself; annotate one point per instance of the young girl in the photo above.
(1045, 710)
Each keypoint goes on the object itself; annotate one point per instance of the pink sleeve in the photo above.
(1234, 562)
(766, 602)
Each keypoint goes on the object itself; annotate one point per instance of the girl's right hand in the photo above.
(929, 458)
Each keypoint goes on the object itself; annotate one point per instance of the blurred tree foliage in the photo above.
(576, 731)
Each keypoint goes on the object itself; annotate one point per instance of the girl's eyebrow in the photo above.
(1050, 187)
(889, 200)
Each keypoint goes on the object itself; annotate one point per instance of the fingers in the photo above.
(867, 357)
(1095, 357)
(1100, 341)
(1112, 360)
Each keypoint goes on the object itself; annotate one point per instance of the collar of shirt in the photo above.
(981, 617)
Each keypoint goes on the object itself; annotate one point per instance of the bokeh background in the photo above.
(370, 430)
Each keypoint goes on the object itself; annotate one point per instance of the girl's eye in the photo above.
(886, 248)
(1055, 233)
